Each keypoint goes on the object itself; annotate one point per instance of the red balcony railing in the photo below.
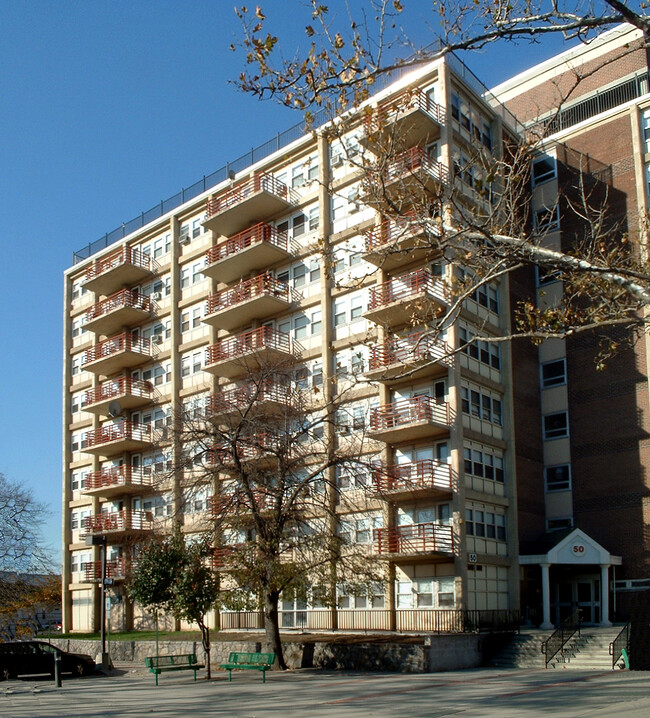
(124, 520)
(414, 161)
(118, 476)
(410, 286)
(262, 285)
(121, 256)
(115, 569)
(125, 298)
(410, 411)
(259, 233)
(246, 449)
(120, 431)
(410, 350)
(415, 538)
(118, 387)
(261, 182)
(404, 102)
(424, 474)
(399, 231)
(246, 397)
(263, 338)
(115, 345)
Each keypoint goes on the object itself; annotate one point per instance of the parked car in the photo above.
(30, 657)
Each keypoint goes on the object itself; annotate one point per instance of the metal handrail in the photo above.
(423, 474)
(252, 340)
(261, 285)
(619, 644)
(257, 234)
(406, 287)
(561, 636)
(415, 538)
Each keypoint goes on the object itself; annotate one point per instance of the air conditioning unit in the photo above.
(156, 296)
(185, 239)
(157, 339)
(337, 160)
(354, 207)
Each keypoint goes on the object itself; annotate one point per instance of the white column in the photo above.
(546, 597)
(604, 595)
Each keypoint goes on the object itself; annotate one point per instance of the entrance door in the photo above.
(581, 592)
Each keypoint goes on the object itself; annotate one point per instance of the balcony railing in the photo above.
(118, 477)
(413, 162)
(250, 399)
(405, 102)
(121, 267)
(414, 476)
(119, 521)
(120, 387)
(418, 409)
(410, 350)
(262, 285)
(261, 182)
(260, 233)
(122, 350)
(115, 569)
(122, 300)
(415, 538)
(407, 287)
(256, 448)
(122, 431)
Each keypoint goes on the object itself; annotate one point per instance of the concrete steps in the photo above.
(589, 651)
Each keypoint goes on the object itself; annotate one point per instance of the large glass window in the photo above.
(556, 425)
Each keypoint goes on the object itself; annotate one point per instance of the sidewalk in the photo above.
(131, 692)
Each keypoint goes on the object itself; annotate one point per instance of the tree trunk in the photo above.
(272, 628)
(205, 638)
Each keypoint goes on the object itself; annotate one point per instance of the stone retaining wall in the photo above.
(442, 653)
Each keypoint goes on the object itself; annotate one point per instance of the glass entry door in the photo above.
(581, 592)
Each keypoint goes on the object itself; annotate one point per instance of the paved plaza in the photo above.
(312, 694)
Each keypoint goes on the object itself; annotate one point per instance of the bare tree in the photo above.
(477, 215)
(267, 449)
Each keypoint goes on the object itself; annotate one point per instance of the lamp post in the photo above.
(101, 541)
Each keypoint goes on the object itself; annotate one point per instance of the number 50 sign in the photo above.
(578, 549)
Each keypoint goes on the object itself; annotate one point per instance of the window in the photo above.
(359, 528)
(352, 476)
(471, 123)
(547, 219)
(78, 479)
(159, 506)
(196, 500)
(544, 169)
(191, 318)
(558, 478)
(297, 225)
(426, 593)
(553, 373)
(485, 524)
(565, 522)
(192, 363)
(479, 403)
(373, 599)
(483, 462)
(486, 352)
(556, 425)
(348, 309)
(645, 124)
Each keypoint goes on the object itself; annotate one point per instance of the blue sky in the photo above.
(107, 108)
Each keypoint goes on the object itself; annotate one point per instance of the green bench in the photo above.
(183, 662)
(249, 662)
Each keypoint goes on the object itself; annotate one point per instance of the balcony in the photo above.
(412, 118)
(250, 351)
(256, 248)
(122, 309)
(416, 540)
(123, 267)
(117, 481)
(409, 177)
(257, 298)
(411, 357)
(258, 450)
(123, 351)
(117, 438)
(128, 393)
(118, 525)
(115, 569)
(266, 399)
(411, 296)
(413, 480)
(396, 243)
(408, 419)
(258, 198)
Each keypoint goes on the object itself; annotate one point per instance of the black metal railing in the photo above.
(619, 644)
(561, 636)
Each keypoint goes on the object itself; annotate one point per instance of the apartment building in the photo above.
(498, 479)
(289, 255)
(583, 524)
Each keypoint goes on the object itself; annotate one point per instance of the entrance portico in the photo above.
(583, 581)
